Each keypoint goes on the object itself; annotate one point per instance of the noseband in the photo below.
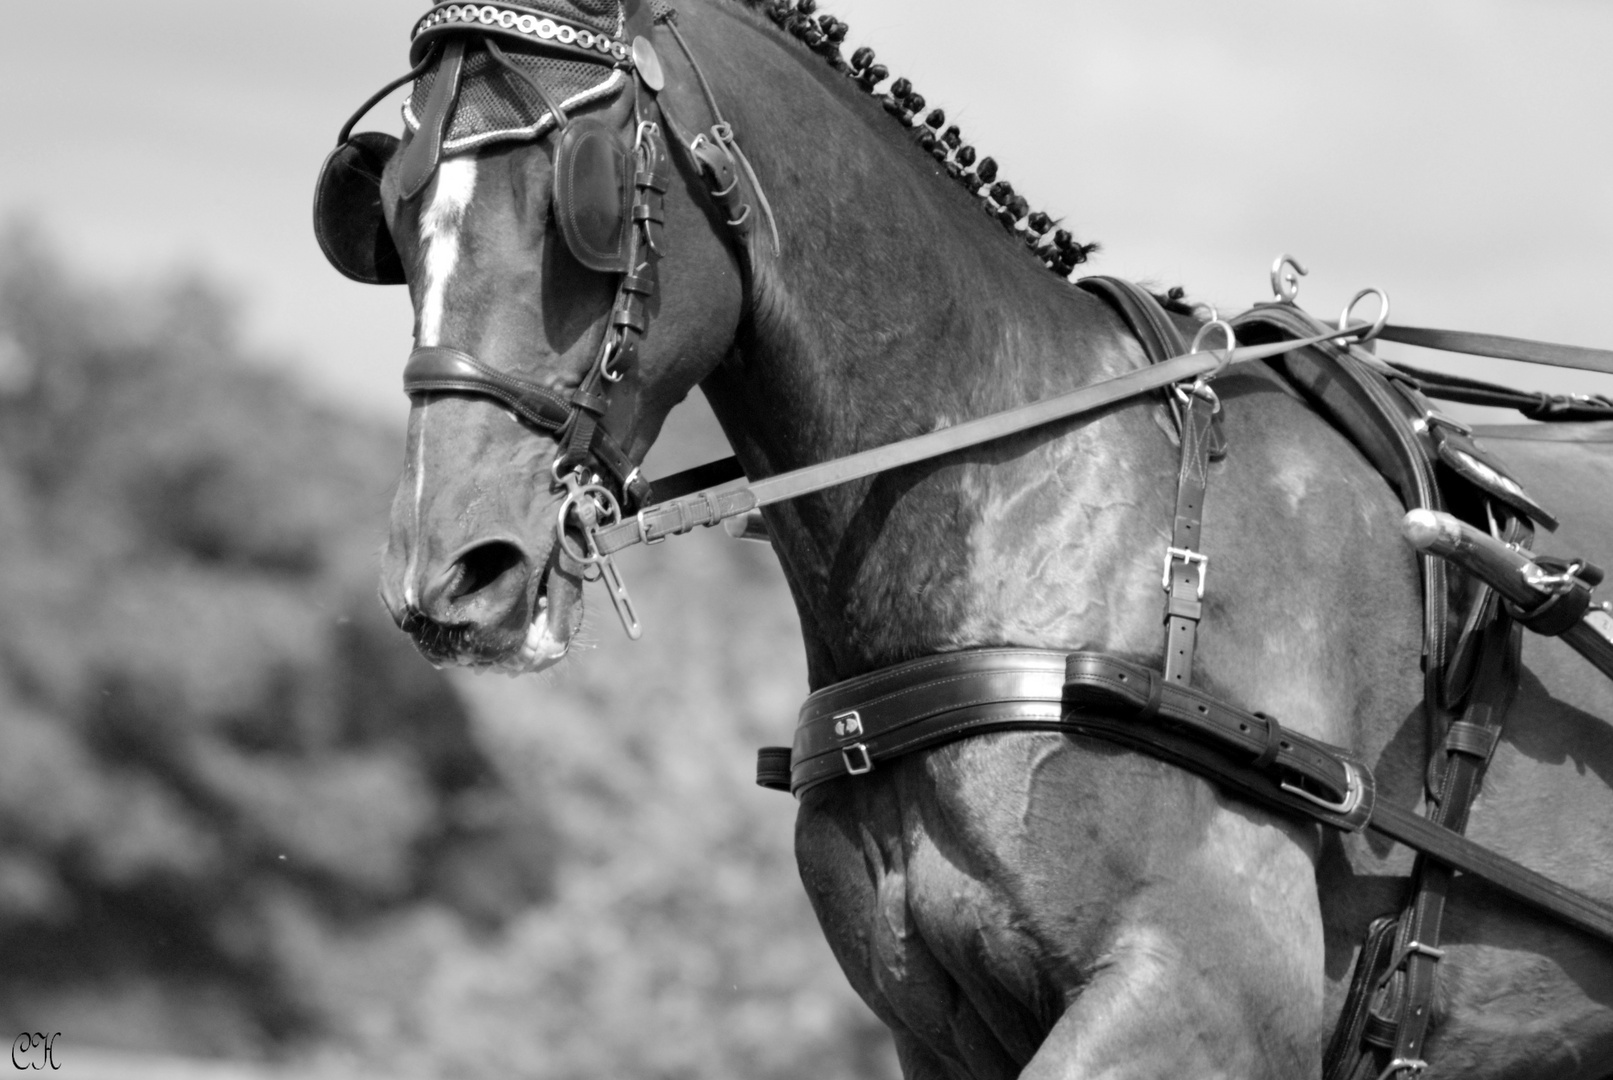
(609, 197)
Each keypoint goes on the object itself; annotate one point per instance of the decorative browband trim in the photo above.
(519, 23)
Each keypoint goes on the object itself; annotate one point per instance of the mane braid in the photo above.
(1057, 249)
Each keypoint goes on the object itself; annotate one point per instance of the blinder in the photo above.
(593, 198)
(348, 220)
(593, 194)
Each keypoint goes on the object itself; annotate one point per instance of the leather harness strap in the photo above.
(849, 728)
(1410, 993)
(1185, 565)
(1504, 348)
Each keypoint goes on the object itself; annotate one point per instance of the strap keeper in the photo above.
(1476, 740)
(773, 768)
(1156, 694)
(1273, 737)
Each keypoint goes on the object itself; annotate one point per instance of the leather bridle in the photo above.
(592, 423)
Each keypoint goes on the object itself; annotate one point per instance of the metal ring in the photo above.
(1215, 323)
(508, 19)
(547, 29)
(527, 24)
(565, 35)
(1284, 283)
(488, 16)
(1378, 324)
(608, 509)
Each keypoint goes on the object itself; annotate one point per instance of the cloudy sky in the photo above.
(1455, 152)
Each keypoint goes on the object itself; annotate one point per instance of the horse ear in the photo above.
(593, 195)
(348, 220)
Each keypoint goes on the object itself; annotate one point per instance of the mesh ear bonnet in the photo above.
(494, 104)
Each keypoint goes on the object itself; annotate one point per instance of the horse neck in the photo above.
(897, 305)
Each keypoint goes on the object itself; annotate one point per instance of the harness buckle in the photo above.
(862, 764)
(644, 532)
(1189, 557)
(1353, 793)
(848, 724)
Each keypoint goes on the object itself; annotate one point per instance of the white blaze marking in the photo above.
(439, 234)
(411, 594)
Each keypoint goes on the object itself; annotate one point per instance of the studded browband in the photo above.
(525, 25)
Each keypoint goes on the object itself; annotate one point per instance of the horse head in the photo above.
(571, 282)
(585, 241)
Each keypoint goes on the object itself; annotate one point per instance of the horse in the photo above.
(1018, 903)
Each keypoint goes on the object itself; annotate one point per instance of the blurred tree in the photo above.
(206, 723)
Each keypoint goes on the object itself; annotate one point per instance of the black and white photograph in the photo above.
(806, 540)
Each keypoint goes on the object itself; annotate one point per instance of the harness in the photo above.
(608, 195)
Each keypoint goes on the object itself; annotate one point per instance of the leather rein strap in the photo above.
(714, 504)
(849, 728)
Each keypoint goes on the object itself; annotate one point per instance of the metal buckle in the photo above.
(1416, 1065)
(644, 533)
(864, 764)
(1353, 792)
(1189, 556)
(848, 724)
(1424, 950)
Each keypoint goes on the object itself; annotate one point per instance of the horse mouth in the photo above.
(557, 616)
(530, 640)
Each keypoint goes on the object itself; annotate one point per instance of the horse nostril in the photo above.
(484, 564)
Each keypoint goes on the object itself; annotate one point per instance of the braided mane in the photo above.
(823, 34)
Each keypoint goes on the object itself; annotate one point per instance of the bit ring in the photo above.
(605, 506)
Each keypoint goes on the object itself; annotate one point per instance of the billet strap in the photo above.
(1344, 1057)
(1186, 567)
(1409, 994)
(1502, 348)
(849, 728)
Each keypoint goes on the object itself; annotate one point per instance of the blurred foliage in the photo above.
(238, 814)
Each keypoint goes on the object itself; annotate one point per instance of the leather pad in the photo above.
(593, 194)
(348, 221)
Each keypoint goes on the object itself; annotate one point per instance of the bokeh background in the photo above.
(240, 821)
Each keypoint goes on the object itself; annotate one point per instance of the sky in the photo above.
(1456, 153)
